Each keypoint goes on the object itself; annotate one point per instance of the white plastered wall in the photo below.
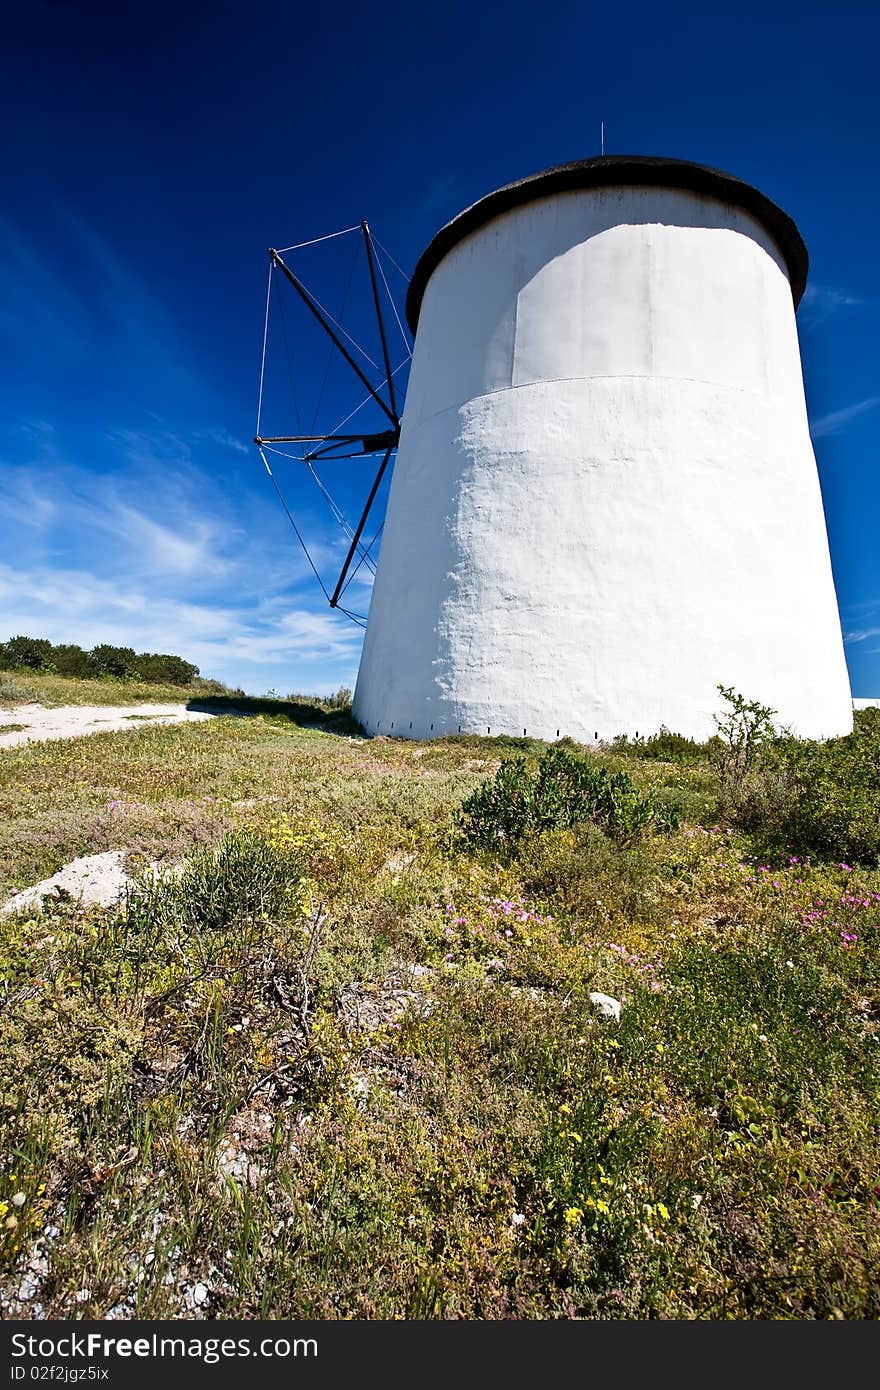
(605, 500)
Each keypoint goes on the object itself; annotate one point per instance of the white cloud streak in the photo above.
(837, 420)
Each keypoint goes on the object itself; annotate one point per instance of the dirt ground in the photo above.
(71, 721)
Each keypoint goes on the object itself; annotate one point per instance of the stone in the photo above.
(605, 1005)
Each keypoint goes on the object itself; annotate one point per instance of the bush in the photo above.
(70, 660)
(162, 669)
(32, 653)
(565, 790)
(821, 798)
(113, 661)
(664, 746)
(743, 729)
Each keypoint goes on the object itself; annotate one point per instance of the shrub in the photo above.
(105, 660)
(743, 729)
(565, 790)
(664, 746)
(163, 669)
(814, 797)
(70, 660)
(341, 700)
(113, 661)
(33, 653)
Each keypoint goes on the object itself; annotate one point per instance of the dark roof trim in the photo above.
(629, 170)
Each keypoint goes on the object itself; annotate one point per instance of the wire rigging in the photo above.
(338, 513)
(394, 308)
(314, 241)
(263, 358)
(385, 250)
(327, 366)
(305, 548)
(289, 363)
(371, 564)
(319, 446)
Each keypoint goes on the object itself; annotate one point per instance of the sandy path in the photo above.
(71, 721)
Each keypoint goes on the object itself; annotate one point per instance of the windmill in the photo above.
(605, 501)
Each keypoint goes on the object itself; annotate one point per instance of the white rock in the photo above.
(606, 1006)
(94, 878)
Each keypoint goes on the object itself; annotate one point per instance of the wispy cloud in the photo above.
(821, 301)
(837, 420)
(224, 439)
(162, 555)
(66, 605)
(861, 621)
(131, 509)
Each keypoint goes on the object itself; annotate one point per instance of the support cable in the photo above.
(380, 318)
(393, 305)
(330, 344)
(318, 311)
(305, 548)
(384, 249)
(314, 241)
(265, 336)
(371, 564)
(360, 526)
(289, 363)
(338, 514)
(367, 399)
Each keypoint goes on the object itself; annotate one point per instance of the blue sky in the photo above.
(154, 152)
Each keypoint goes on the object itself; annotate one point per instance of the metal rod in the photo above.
(307, 438)
(308, 301)
(385, 357)
(331, 458)
(360, 526)
(370, 444)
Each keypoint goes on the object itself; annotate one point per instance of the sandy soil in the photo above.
(71, 721)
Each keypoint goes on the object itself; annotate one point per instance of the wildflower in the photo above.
(573, 1216)
(19, 1199)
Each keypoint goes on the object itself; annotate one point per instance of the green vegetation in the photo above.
(345, 1062)
(116, 663)
(565, 790)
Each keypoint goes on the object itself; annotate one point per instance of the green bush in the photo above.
(105, 660)
(664, 746)
(32, 653)
(162, 669)
(70, 660)
(118, 662)
(565, 790)
(821, 798)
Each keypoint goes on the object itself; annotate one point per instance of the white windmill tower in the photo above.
(605, 500)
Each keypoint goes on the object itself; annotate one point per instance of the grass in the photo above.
(342, 1066)
(12, 728)
(39, 687)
